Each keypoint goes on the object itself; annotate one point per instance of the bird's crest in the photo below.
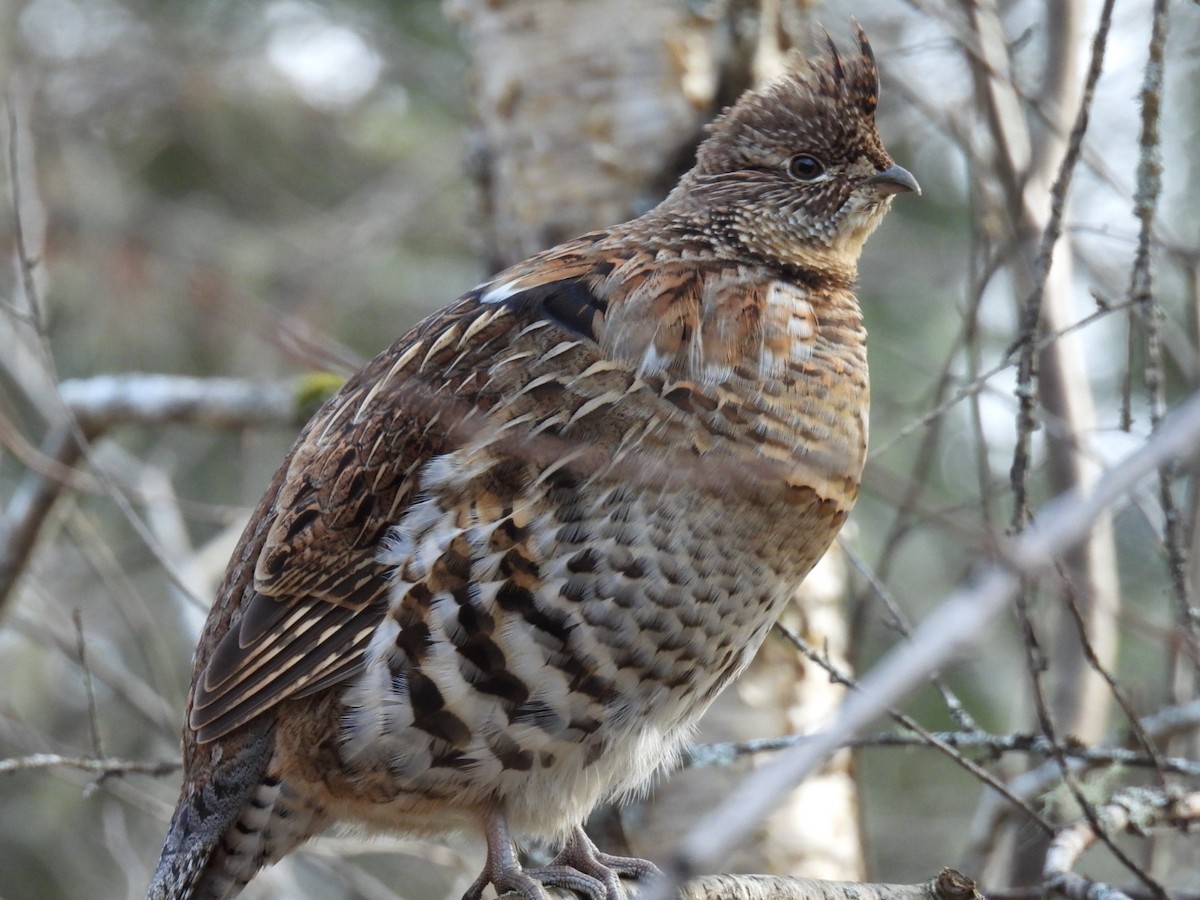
(829, 95)
(855, 80)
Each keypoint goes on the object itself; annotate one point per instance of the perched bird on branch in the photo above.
(508, 565)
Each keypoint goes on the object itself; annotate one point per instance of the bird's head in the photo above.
(795, 172)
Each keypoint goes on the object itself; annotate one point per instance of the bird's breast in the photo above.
(591, 567)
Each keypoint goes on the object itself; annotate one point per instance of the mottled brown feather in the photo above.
(318, 553)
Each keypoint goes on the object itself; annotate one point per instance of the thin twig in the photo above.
(26, 264)
(906, 721)
(1031, 314)
(955, 706)
(1036, 665)
(1114, 688)
(980, 382)
(104, 767)
(93, 717)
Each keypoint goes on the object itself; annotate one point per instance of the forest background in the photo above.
(213, 211)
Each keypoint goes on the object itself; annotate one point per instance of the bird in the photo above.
(508, 564)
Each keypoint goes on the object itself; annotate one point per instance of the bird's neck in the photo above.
(686, 229)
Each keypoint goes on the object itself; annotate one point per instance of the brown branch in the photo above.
(88, 684)
(1158, 726)
(30, 505)
(1114, 687)
(901, 623)
(1036, 666)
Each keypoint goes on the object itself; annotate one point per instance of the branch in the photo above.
(30, 505)
(948, 885)
(1158, 726)
(105, 401)
(27, 261)
(94, 405)
(103, 767)
(726, 753)
(1141, 295)
(1133, 811)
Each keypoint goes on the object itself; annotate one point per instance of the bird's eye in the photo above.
(805, 167)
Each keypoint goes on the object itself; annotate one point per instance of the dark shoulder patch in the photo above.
(568, 303)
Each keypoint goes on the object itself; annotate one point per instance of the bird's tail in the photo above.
(230, 826)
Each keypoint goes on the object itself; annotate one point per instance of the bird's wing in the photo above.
(305, 590)
(692, 316)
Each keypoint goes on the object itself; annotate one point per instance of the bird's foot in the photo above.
(584, 856)
(580, 867)
(531, 884)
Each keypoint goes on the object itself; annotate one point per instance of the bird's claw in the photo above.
(580, 867)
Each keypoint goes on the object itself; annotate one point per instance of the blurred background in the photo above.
(256, 197)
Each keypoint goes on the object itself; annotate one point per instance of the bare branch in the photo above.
(89, 687)
(1032, 309)
(1134, 811)
(103, 402)
(104, 766)
(1159, 726)
(1036, 667)
(27, 263)
(1142, 298)
(927, 736)
(948, 885)
(30, 505)
(993, 744)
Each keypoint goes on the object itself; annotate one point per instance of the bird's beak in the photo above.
(896, 180)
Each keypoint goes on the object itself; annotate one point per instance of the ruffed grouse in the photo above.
(507, 566)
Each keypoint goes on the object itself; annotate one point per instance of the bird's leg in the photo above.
(504, 872)
(583, 856)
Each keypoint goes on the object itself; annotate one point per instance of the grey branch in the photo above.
(97, 404)
(1134, 810)
(41, 761)
(1185, 717)
(948, 885)
(104, 401)
(1159, 726)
